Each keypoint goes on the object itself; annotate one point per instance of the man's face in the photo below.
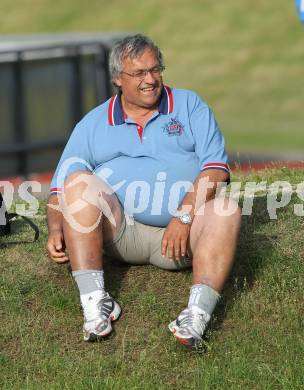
(145, 92)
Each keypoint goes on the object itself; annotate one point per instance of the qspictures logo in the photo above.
(140, 195)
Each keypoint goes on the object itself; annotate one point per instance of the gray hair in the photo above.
(132, 47)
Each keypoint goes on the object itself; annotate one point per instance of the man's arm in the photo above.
(55, 244)
(204, 189)
(175, 238)
(210, 150)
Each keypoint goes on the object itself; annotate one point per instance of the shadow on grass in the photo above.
(253, 249)
(115, 272)
(19, 233)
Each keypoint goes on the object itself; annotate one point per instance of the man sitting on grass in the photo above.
(147, 162)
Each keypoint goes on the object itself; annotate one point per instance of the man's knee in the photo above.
(217, 212)
(78, 181)
(90, 188)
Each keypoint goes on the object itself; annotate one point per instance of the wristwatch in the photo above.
(185, 219)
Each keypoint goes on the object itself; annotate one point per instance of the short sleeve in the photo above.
(75, 157)
(209, 141)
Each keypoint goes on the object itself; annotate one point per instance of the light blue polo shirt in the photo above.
(150, 169)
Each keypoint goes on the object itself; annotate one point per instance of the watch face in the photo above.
(186, 218)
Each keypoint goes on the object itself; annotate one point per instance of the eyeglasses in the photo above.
(142, 73)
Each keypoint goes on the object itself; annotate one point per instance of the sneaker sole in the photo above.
(190, 343)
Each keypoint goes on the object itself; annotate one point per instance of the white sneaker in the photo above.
(190, 326)
(106, 311)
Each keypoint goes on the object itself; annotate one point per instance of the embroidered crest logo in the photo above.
(174, 127)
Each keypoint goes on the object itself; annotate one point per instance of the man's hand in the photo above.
(174, 242)
(56, 246)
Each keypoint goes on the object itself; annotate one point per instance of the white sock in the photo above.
(91, 288)
(203, 297)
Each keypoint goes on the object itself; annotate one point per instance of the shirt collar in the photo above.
(116, 114)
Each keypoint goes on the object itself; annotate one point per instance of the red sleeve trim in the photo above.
(221, 166)
(56, 190)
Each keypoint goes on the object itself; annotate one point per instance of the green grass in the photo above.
(255, 340)
(244, 58)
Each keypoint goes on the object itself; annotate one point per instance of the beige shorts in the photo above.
(139, 244)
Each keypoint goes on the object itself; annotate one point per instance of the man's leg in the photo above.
(213, 240)
(85, 227)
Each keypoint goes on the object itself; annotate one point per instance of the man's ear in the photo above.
(117, 82)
